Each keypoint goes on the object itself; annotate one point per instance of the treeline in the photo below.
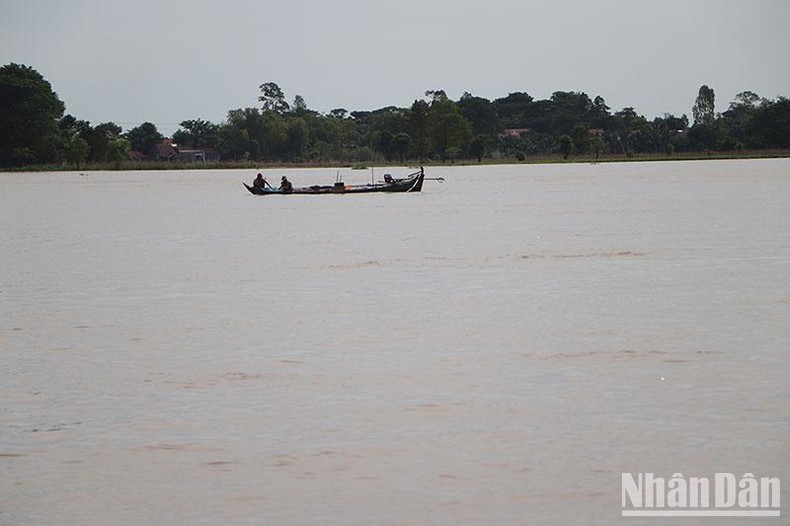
(33, 129)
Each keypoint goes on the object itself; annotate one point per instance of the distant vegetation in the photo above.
(34, 131)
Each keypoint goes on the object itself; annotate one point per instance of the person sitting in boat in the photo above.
(260, 182)
(388, 179)
(285, 185)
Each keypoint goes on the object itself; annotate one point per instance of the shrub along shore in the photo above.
(538, 159)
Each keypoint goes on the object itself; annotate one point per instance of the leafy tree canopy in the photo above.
(197, 133)
(704, 107)
(29, 116)
(272, 98)
(144, 138)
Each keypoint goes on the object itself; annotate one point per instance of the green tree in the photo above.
(119, 150)
(481, 114)
(541, 117)
(241, 135)
(77, 151)
(581, 138)
(297, 138)
(101, 138)
(705, 134)
(666, 134)
(746, 99)
(599, 113)
(98, 138)
(233, 140)
(565, 144)
(769, 127)
(478, 146)
(738, 116)
(260, 135)
(597, 145)
(334, 135)
(392, 119)
(658, 135)
(197, 133)
(272, 134)
(448, 129)
(515, 110)
(382, 142)
(627, 127)
(29, 115)
(569, 109)
(328, 135)
(703, 110)
(400, 145)
(144, 137)
(300, 106)
(377, 128)
(452, 152)
(418, 124)
(69, 128)
(272, 98)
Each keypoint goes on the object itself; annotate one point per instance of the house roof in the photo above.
(513, 132)
(165, 149)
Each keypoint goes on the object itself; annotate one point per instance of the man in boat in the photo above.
(285, 185)
(388, 179)
(259, 182)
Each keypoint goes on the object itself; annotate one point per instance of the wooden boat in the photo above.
(410, 183)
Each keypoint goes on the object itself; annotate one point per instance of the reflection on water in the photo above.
(494, 350)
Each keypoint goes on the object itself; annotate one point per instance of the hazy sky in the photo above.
(165, 61)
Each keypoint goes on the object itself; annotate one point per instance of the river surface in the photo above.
(495, 350)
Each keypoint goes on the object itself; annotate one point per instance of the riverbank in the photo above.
(538, 159)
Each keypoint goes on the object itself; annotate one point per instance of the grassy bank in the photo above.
(538, 159)
(639, 157)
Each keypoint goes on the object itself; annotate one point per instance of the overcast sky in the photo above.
(165, 61)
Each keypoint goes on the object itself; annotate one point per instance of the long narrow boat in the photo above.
(410, 183)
